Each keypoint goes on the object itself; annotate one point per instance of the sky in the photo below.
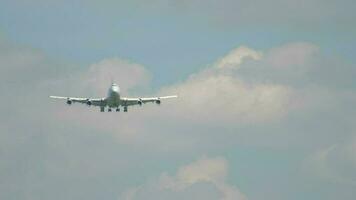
(265, 109)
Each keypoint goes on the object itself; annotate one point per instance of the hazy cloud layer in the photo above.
(289, 98)
(204, 178)
(274, 118)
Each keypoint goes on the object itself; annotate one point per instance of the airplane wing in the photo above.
(139, 101)
(89, 101)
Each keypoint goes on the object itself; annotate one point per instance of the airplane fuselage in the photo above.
(113, 99)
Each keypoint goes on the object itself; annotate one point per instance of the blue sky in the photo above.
(187, 37)
(265, 110)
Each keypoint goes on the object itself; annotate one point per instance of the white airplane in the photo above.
(113, 100)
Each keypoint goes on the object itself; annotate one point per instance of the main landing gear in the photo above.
(102, 109)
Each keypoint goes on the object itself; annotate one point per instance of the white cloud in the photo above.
(215, 95)
(212, 98)
(45, 139)
(234, 58)
(220, 94)
(223, 97)
(204, 172)
(231, 91)
(127, 74)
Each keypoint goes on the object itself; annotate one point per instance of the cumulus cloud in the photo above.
(205, 172)
(237, 56)
(47, 145)
(41, 149)
(253, 88)
(223, 97)
(94, 80)
(220, 93)
(244, 86)
(216, 94)
(128, 74)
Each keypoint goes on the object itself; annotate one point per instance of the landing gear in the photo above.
(117, 109)
(125, 108)
(109, 110)
(102, 109)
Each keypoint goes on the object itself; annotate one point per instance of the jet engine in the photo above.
(69, 102)
(89, 103)
(139, 102)
(158, 102)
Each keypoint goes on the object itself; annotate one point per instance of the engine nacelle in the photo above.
(139, 102)
(69, 102)
(158, 102)
(89, 103)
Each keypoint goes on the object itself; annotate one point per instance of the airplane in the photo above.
(113, 100)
